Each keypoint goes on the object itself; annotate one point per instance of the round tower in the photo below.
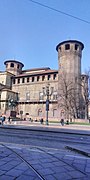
(69, 72)
(13, 66)
(69, 58)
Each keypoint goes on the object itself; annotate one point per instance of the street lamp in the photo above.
(47, 93)
(12, 103)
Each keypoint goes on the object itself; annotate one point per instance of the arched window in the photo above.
(40, 113)
(54, 112)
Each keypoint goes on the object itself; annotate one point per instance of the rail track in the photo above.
(46, 153)
(25, 161)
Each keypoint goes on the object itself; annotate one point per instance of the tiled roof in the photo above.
(36, 69)
(35, 72)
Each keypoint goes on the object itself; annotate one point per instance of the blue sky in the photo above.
(29, 33)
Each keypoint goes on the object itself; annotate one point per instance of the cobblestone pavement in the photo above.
(34, 163)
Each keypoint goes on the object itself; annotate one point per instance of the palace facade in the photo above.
(26, 91)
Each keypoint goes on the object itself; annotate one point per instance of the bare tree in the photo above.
(85, 84)
(69, 97)
(89, 83)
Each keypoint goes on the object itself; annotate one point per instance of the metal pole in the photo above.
(46, 117)
(47, 104)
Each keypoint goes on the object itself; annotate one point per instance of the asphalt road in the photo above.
(43, 138)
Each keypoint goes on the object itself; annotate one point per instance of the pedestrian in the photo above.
(62, 122)
(3, 119)
(30, 119)
(41, 120)
(67, 122)
(9, 119)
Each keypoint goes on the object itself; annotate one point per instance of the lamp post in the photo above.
(47, 94)
(47, 103)
(11, 103)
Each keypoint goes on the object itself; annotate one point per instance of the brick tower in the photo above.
(13, 66)
(69, 76)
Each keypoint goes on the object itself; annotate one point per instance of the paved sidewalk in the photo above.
(50, 164)
(56, 127)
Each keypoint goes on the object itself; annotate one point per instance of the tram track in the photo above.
(62, 160)
(50, 155)
(25, 161)
(43, 144)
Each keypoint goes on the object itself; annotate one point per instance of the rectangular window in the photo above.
(18, 80)
(55, 96)
(76, 46)
(13, 81)
(27, 79)
(54, 76)
(41, 96)
(67, 46)
(49, 77)
(23, 80)
(38, 78)
(27, 96)
(32, 79)
(12, 65)
(43, 78)
(18, 66)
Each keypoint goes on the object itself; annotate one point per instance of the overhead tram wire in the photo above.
(61, 12)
